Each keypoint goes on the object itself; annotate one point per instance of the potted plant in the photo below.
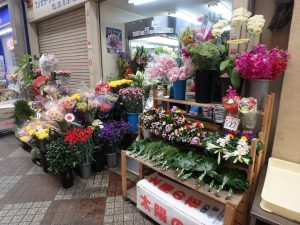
(62, 159)
(112, 133)
(81, 141)
(132, 98)
(206, 57)
(37, 133)
(258, 68)
(98, 163)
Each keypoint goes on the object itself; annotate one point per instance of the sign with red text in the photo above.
(43, 8)
(170, 203)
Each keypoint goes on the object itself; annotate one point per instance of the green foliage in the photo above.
(190, 164)
(139, 61)
(138, 79)
(84, 151)
(206, 55)
(22, 112)
(61, 158)
(259, 147)
(35, 155)
(26, 68)
(228, 66)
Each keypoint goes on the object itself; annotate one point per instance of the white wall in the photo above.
(115, 18)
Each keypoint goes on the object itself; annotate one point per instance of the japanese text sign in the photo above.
(43, 8)
(231, 123)
(170, 203)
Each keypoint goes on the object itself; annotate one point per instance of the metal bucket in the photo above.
(258, 89)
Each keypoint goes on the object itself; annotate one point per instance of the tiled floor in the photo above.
(30, 196)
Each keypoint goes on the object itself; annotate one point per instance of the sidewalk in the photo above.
(30, 196)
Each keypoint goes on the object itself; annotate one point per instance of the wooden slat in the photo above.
(124, 173)
(184, 102)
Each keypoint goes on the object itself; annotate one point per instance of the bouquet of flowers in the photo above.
(113, 131)
(38, 82)
(172, 126)
(132, 99)
(248, 109)
(166, 70)
(261, 63)
(107, 103)
(233, 146)
(231, 100)
(48, 64)
(187, 36)
(116, 85)
(102, 88)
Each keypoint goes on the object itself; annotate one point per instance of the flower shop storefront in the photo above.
(198, 144)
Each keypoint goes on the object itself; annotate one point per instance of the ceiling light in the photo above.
(220, 8)
(140, 2)
(184, 17)
(5, 31)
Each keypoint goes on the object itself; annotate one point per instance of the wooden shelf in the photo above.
(191, 183)
(185, 102)
(131, 194)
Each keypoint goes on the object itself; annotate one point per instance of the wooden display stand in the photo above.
(237, 207)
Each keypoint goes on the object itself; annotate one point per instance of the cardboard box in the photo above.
(168, 202)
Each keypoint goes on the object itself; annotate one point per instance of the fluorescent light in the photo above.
(161, 41)
(5, 31)
(140, 2)
(184, 17)
(221, 9)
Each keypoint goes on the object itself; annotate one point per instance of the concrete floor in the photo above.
(30, 196)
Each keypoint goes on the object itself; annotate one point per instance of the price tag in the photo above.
(231, 123)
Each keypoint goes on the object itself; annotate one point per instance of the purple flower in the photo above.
(113, 131)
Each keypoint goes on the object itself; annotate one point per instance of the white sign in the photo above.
(170, 203)
(43, 8)
(231, 123)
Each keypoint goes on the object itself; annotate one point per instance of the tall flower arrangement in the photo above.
(261, 63)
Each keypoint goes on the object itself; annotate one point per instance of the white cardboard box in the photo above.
(170, 203)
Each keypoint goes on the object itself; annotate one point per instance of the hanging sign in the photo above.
(170, 203)
(231, 123)
(43, 8)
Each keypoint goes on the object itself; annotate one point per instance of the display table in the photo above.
(258, 213)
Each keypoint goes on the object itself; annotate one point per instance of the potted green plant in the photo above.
(62, 159)
(112, 133)
(206, 57)
(80, 139)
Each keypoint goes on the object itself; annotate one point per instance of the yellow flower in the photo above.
(116, 83)
(31, 132)
(244, 138)
(75, 97)
(42, 134)
(230, 136)
(198, 134)
(24, 138)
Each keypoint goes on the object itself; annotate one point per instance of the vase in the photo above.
(67, 178)
(85, 170)
(133, 120)
(203, 82)
(98, 164)
(224, 83)
(44, 161)
(179, 88)
(111, 160)
(258, 89)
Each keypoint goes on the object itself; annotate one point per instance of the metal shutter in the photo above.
(65, 36)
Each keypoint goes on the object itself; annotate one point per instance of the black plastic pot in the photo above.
(98, 164)
(44, 161)
(67, 179)
(203, 81)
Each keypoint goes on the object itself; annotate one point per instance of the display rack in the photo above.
(237, 207)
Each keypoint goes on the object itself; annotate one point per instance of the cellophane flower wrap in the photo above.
(261, 63)
(48, 63)
(233, 146)
(231, 101)
(113, 131)
(132, 99)
(172, 126)
(248, 109)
